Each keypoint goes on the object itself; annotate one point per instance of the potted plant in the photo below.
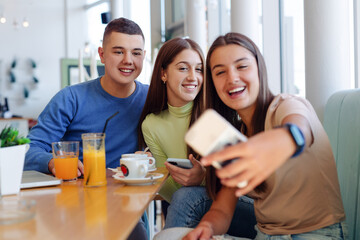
(12, 156)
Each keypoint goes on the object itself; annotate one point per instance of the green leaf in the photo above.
(9, 137)
(5, 132)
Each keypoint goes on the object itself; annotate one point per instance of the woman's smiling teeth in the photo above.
(236, 90)
(189, 86)
(126, 70)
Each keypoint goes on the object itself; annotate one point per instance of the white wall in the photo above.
(45, 41)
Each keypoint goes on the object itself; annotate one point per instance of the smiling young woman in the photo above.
(282, 164)
(174, 101)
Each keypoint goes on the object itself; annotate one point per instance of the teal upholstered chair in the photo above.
(342, 124)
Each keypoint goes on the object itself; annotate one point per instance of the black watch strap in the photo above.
(298, 137)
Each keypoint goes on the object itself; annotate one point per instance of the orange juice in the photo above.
(94, 167)
(94, 159)
(66, 167)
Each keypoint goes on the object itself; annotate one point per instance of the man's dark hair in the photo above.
(123, 25)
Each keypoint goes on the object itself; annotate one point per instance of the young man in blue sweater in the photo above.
(84, 107)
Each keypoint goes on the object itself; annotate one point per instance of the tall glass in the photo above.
(94, 159)
(65, 156)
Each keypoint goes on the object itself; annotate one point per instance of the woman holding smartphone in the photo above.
(174, 101)
(286, 165)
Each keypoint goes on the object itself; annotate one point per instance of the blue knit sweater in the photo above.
(84, 108)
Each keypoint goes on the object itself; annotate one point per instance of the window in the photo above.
(356, 15)
(95, 26)
(292, 47)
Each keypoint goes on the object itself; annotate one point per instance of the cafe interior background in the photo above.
(310, 46)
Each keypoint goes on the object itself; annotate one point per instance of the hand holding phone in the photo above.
(211, 133)
(179, 162)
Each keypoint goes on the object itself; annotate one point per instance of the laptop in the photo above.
(32, 179)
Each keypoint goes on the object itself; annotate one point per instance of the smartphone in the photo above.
(179, 162)
(211, 133)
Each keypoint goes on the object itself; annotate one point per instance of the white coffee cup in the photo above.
(151, 160)
(134, 167)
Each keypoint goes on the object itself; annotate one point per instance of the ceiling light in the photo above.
(25, 23)
(87, 48)
(2, 19)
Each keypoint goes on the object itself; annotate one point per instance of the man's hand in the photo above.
(51, 166)
(80, 168)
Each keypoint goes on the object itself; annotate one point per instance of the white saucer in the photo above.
(147, 180)
(116, 170)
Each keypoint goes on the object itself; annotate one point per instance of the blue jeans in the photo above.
(337, 231)
(189, 205)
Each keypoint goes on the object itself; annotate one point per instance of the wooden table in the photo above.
(71, 211)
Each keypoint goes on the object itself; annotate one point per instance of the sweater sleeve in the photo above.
(152, 143)
(51, 127)
(170, 186)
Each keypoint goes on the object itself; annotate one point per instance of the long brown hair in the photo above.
(156, 100)
(213, 100)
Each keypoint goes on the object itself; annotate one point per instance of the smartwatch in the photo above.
(298, 137)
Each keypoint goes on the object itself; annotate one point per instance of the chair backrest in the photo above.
(342, 124)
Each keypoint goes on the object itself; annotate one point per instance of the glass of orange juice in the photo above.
(94, 159)
(66, 156)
